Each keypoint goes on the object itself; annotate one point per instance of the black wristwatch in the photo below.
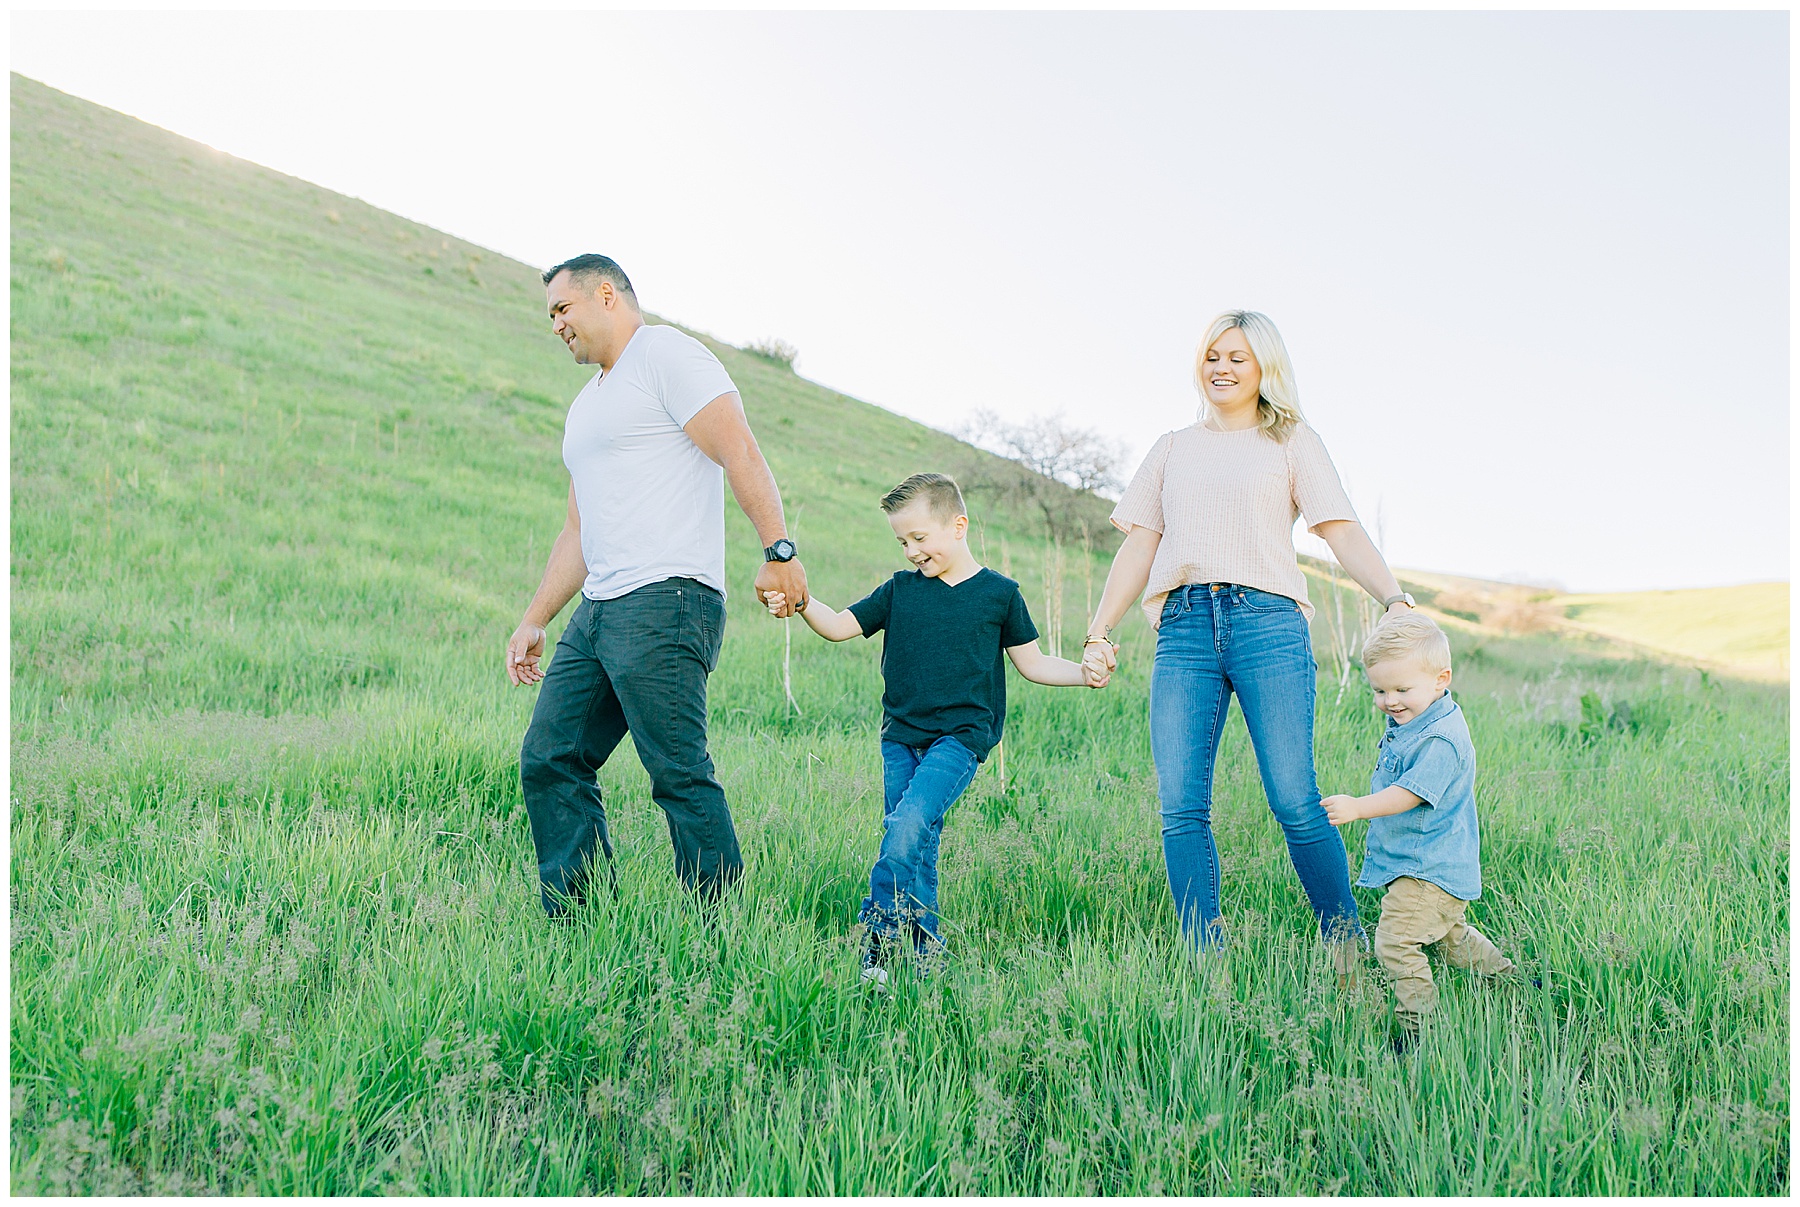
(781, 551)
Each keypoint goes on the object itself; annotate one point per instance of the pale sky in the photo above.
(1532, 268)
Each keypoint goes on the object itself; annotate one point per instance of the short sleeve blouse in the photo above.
(1225, 504)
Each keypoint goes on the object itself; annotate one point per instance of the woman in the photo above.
(1208, 519)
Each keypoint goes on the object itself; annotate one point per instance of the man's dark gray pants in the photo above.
(634, 664)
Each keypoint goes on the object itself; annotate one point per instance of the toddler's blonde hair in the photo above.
(1408, 634)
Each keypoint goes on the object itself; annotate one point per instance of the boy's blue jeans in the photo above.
(1216, 639)
(919, 785)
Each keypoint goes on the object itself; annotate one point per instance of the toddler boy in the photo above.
(1423, 845)
(947, 620)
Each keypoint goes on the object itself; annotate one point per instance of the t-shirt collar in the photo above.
(605, 373)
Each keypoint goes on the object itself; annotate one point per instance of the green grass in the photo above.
(274, 925)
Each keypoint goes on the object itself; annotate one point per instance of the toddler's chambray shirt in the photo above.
(1432, 757)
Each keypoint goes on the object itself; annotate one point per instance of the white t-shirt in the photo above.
(652, 505)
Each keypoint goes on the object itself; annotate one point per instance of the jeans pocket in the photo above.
(1265, 601)
(712, 628)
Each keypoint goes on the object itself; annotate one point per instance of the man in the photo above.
(648, 444)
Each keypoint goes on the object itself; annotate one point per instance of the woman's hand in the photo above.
(1099, 659)
(1125, 581)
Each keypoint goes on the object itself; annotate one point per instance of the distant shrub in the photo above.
(777, 350)
(1649, 719)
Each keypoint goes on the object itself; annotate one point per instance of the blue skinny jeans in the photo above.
(1216, 639)
(919, 785)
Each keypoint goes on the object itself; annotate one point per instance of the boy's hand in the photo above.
(1340, 809)
(776, 601)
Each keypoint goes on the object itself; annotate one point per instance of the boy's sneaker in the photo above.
(873, 961)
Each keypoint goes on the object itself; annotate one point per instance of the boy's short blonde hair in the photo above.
(1408, 634)
(939, 491)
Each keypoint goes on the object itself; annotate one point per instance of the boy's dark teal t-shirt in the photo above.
(943, 656)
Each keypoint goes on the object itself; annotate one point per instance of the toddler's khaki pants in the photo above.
(1416, 914)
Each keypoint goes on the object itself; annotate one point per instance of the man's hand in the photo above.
(523, 653)
(1342, 808)
(1098, 661)
(786, 578)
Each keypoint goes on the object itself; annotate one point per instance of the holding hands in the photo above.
(782, 581)
(1099, 659)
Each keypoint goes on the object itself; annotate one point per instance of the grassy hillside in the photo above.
(284, 472)
(1742, 630)
(223, 376)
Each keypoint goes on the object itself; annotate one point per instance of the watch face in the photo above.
(784, 550)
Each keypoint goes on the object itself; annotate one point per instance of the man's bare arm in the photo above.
(722, 432)
(564, 573)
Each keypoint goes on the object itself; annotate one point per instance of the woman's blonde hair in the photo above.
(1278, 409)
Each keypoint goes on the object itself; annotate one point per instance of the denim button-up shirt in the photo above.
(1432, 757)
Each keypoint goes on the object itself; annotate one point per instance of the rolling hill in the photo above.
(1740, 631)
(273, 445)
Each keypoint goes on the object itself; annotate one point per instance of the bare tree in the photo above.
(1049, 465)
(1080, 458)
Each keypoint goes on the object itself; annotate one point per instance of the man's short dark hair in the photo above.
(939, 492)
(587, 271)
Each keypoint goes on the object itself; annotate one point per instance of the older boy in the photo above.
(1423, 844)
(947, 621)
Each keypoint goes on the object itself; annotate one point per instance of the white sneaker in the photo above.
(873, 957)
